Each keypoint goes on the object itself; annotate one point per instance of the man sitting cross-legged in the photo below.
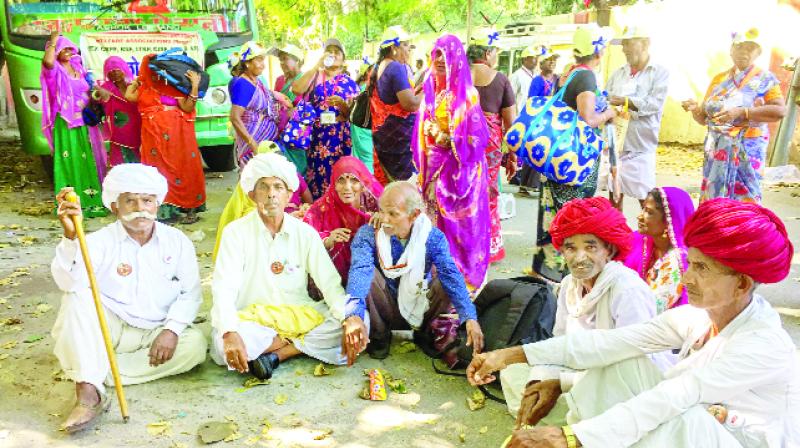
(600, 292)
(738, 381)
(262, 313)
(149, 286)
(390, 273)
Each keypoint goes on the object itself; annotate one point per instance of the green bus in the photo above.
(209, 30)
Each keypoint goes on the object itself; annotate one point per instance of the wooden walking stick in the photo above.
(112, 357)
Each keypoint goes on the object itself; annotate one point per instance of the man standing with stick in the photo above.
(149, 286)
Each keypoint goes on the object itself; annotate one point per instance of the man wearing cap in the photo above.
(600, 292)
(149, 286)
(738, 382)
(522, 77)
(262, 313)
(642, 85)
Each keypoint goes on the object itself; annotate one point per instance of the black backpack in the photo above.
(360, 114)
(511, 312)
(173, 64)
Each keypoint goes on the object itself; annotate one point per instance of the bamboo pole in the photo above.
(112, 357)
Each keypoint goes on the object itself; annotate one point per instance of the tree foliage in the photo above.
(308, 22)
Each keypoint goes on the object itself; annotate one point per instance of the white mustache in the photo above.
(141, 214)
(387, 226)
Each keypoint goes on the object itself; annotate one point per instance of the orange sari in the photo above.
(169, 142)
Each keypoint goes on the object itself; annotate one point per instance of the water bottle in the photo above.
(328, 61)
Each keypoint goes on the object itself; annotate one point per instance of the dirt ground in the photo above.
(297, 409)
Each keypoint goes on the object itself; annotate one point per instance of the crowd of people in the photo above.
(340, 232)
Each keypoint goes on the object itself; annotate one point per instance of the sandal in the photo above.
(189, 218)
(83, 410)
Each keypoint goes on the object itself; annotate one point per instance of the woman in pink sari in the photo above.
(351, 199)
(449, 143)
(123, 120)
(659, 253)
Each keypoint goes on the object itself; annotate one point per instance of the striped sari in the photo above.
(260, 117)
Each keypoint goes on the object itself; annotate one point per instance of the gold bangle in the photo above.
(572, 441)
(747, 113)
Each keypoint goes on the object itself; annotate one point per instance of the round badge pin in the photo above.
(124, 269)
(277, 267)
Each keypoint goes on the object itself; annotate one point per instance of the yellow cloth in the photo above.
(238, 205)
(289, 321)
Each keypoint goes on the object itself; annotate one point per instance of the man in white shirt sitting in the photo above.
(738, 381)
(262, 313)
(149, 285)
(600, 292)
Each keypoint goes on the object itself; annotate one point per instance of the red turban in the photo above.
(594, 216)
(744, 236)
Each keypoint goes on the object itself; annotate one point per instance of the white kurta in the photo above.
(618, 298)
(521, 84)
(751, 368)
(144, 289)
(647, 91)
(243, 276)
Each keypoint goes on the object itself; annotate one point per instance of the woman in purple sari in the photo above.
(449, 143)
(659, 253)
(79, 156)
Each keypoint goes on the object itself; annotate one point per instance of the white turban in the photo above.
(133, 178)
(269, 165)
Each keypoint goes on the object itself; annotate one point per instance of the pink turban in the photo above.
(594, 216)
(744, 236)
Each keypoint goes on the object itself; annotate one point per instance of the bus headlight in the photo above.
(33, 99)
(218, 96)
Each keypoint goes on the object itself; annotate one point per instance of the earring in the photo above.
(665, 234)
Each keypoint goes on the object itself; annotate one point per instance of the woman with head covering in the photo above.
(123, 120)
(169, 142)
(499, 106)
(393, 104)
(291, 59)
(79, 159)
(330, 91)
(348, 204)
(581, 94)
(737, 107)
(659, 253)
(449, 142)
(255, 110)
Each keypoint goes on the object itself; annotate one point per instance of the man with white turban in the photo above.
(262, 313)
(149, 285)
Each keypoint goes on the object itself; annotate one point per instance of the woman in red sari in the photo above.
(169, 142)
(348, 204)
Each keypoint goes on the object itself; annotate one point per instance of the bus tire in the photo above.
(218, 158)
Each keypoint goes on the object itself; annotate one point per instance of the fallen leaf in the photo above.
(178, 445)
(55, 414)
(252, 382)
(59, 375)
(462, 437)
(324, 434)
(484, 429)
(397, 386)
(406, 347)
(10, 344)
(322, 370)
(33, 338)
(235, 436)
(280, 399)
(4, 356)
(159, 428)
(211, 432)
(11, 320)
(364, 394)
(476, 401)
(43, 308)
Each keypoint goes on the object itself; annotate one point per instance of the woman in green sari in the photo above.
(79, 158)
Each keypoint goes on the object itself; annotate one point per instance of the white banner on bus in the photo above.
(132, 46)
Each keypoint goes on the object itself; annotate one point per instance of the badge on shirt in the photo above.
(277, 267)
(327, 118)
(124, 269)
(167, 259)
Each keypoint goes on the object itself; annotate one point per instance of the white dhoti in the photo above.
(602, 388)
(636, 172)
(324, 342)
(80, 349)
